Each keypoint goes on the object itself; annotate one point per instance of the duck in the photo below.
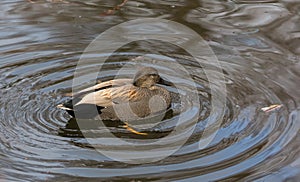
(122, 99)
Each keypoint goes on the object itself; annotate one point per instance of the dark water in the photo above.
(256, 42)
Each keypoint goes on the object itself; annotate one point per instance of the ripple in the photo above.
(242, 138)
(256, 50)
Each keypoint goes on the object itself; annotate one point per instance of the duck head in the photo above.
(146, 77)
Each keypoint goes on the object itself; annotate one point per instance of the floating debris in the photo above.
(114, 9)
(271, 107)
(51, 1)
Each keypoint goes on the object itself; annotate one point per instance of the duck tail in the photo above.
(67, 107)
(61, 106)
(69, 111)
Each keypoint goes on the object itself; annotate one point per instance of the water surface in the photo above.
(256, 42)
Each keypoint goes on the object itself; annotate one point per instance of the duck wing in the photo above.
(84, 103)
(111, 96)
(102, 86)
(84, 96)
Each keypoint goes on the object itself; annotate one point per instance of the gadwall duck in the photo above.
(121, 99)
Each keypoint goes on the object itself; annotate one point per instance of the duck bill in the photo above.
(165, 82)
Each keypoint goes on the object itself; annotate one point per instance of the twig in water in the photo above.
(271, 107)
(114, 9)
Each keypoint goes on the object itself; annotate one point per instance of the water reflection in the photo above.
(257, 45)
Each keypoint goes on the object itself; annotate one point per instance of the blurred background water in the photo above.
(257, 43)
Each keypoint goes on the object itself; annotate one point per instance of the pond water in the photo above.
(257, 44)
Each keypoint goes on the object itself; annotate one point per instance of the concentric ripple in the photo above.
(40, 142)
(247, 137)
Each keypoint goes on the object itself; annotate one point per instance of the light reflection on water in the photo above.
(257, 43)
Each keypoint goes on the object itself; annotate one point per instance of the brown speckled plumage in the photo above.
(121, 99)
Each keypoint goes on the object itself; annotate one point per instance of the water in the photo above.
(256, 42)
